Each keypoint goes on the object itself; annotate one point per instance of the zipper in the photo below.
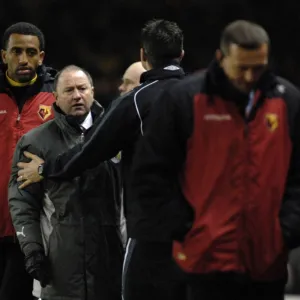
(82, 137)
(84, 257)
(246, 131)
(18, 126)
(82, 226)
(83, 237)
(246, 193)
(249, 110)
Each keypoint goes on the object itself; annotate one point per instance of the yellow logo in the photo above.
(117, 158)
(181, 256)
(44, 112)
(272, 121)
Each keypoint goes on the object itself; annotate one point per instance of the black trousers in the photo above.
(231, 286)
(15, 282)
(150, 277)
(151, 274)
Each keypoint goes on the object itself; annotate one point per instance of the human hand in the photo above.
(29, 171)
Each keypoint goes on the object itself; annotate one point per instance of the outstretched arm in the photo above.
(109, 135)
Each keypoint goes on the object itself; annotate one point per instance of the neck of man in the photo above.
(19, 84)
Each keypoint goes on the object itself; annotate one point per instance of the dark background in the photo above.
(103, 36)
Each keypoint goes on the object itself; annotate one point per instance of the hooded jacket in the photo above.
(222, 180)
(21, 109)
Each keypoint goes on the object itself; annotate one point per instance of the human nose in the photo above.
(249, 75)
(23, 59)
(76, 94)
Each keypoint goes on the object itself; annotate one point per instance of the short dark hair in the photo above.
(71, 68)
(25, 29)
(245, 34)
(162, 42)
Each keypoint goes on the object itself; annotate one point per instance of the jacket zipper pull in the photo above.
(18, 118)
(82, 137)
(82, 134)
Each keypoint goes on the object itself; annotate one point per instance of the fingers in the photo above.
(20, 178)
(30, 155)
(33, 157)
(21, 172)
(22, 164)
(21, 175)
(25, 184)
(28, 180)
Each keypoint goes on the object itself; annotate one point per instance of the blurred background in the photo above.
(103, 36)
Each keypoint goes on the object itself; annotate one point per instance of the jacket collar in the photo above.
(73, 124)
(169, 71)
(217, 82)
(44, 75)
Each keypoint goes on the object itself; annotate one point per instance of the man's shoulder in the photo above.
(284, 86)
(131, 94)
(38, 134)
(128, 98)
(152, 89)
(288, 92)
(190, 85)
(48, 75)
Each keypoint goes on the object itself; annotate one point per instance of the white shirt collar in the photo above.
(88, 122)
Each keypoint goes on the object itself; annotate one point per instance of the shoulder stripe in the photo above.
(136, 106)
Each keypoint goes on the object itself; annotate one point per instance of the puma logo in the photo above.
(21, 232)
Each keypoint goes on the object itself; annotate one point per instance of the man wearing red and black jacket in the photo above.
(224, 144)
(25, 102)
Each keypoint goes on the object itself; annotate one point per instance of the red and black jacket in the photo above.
(21, 109)
(225, 186)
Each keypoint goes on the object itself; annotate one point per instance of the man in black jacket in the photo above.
(69, 230)
(229, 139)
(120, 129)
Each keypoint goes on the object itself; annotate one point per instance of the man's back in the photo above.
(154, 82)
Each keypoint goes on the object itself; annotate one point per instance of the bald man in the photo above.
(131, 77)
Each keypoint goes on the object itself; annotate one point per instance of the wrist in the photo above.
(43, 169)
